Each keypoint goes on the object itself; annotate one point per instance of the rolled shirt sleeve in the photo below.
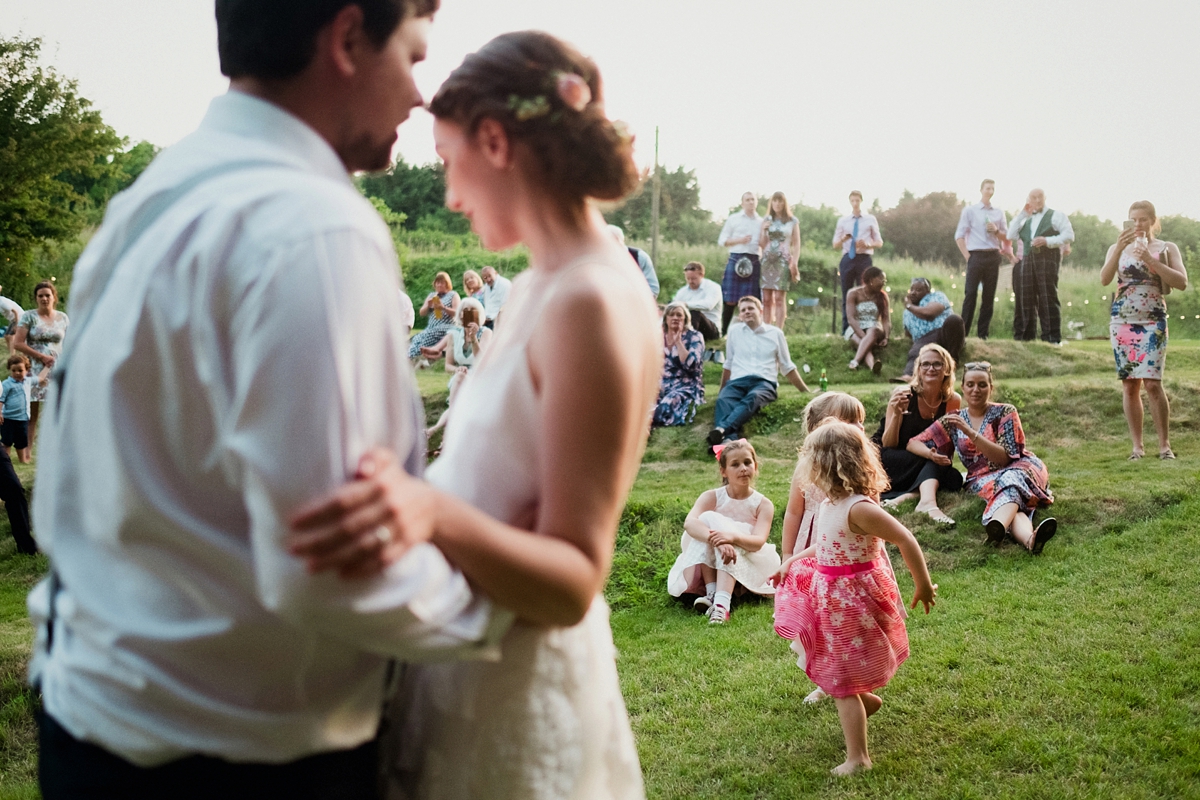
(782, 356)
(1066, 233)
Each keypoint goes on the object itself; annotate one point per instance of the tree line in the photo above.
(60, 164)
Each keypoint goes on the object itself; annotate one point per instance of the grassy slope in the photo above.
(1073, 675)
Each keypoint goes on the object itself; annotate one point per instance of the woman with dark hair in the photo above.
(1146, 269)
(910, 410)
(40, 333)
(540, 452)
(780, 242)
(869, 313)
(991, 444)
(682, 387)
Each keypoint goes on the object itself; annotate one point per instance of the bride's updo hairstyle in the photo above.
(549, 98)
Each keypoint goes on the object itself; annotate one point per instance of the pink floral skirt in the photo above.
(846, 623)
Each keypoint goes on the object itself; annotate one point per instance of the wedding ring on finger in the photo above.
(383, 535)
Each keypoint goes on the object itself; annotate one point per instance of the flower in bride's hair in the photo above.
(527, 108)
(622, 130)
(573, 91)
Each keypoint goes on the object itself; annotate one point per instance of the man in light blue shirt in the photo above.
(755, 355)
(980, 234)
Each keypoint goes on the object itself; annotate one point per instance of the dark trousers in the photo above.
(740, 400)
(70, 768)
(727, 315)
(850, 272)
(983, 268)
(1023, 313)
(703, 324)
(952, 335)
(1037, 293)
(15, 503)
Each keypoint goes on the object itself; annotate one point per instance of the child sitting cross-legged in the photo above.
(724, 542)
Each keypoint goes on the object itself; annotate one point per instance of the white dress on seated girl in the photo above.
(751, 568)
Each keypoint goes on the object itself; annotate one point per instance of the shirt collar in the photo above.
(239, 114)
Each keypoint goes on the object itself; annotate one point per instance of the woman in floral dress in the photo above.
(682, 387)
(780, 241)
(991, 445)
(1146, 269)
(40, 333)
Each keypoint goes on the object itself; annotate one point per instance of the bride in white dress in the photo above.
(544, 444)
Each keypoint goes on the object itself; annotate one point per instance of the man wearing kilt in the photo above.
(1043, 233)
(743, 273)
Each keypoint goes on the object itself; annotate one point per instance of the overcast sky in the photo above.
(1094, 101)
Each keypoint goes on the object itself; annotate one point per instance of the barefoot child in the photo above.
(838, 600)
(724, 541)
(805, 497)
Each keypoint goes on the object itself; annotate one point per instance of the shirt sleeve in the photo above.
(309, 323)
(964, 224)
(837, 233)
(648, 270)
(936, 438)
(726, 232)
(1014, 227)
(1065, 232)
(782, 355)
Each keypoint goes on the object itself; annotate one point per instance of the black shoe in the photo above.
(715, 436)
(1044, 533)
(995, 532)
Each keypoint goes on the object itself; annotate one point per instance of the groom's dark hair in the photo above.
(276, 39)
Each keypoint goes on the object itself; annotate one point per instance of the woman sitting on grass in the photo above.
(869, 313)
(910, 410)
(463, 345)
(724, 541)
(990, 442)
(682, 387)
(441, 306)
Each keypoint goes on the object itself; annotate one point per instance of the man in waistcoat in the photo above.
(1042, 232)
(857, 235)
(743, 272)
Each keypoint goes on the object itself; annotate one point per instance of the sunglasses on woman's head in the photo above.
(985, 366)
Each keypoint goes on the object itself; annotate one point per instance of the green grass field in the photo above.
(1076, 674)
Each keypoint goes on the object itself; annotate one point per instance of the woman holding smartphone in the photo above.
(1146, 269)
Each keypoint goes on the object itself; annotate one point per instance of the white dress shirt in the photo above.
(739, 226)
(761, 351)
(706, 298)
(1060, 221)
(868, 231)
(495, 296)
(972, 226)
(408, 314)
(247, 354)
(10, 310)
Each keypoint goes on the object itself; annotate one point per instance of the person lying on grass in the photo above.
(724, 542)
(991, 445)
(837, 601)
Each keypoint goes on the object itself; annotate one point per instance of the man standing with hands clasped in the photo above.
(1043, 233)
(743, 272)
(980, 235)
(858, 236)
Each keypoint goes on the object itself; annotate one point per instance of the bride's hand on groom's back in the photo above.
(368, 523)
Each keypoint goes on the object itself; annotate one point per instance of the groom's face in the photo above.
(383, 96)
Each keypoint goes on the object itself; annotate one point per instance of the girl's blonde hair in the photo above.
(838, 405)
(840, 460)
(738, 444)
(947, 362)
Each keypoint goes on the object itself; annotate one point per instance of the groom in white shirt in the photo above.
(236, 347)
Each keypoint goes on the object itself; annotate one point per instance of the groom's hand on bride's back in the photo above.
(367, 524)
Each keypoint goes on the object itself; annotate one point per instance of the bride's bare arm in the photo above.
(595, 382)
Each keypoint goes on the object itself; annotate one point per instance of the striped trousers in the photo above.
(1035, 283)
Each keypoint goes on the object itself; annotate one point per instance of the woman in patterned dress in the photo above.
(991, 444)
(40, 333)
(780, 241)
(869, 312)
(682, 387)
(440, 306)
(1146, 269)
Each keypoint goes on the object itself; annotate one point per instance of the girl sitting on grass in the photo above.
(724, 539)
(837, 600)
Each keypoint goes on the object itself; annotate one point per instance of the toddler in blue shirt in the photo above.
(14, 407)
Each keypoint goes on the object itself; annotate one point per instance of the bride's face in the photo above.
(480, 179)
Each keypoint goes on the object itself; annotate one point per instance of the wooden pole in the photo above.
(654, 201)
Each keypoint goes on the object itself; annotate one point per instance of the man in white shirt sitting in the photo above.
(238, 307)
(495, 294)
(703, 299)
(755, 354)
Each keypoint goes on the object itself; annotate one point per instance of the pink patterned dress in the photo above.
(842, 610)
(1138, 325)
